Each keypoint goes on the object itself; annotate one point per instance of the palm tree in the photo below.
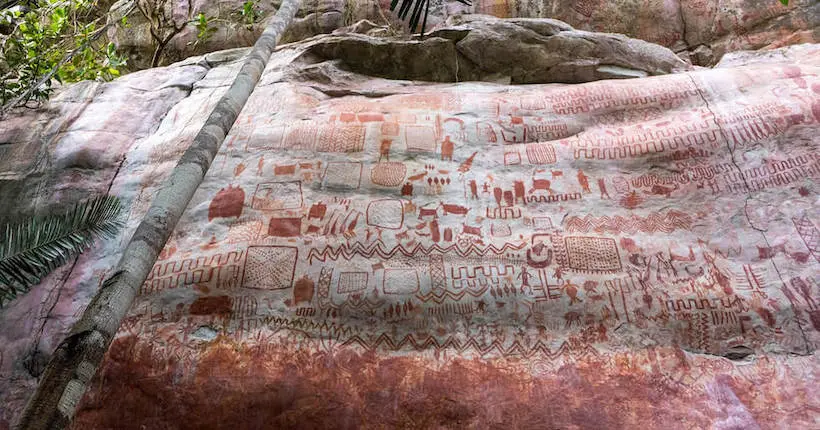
(35, 246)
(76, 359)
(417, 6)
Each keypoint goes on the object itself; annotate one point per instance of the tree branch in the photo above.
(78, 357)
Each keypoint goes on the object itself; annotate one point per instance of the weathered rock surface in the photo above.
(231, 29)
(89, 137)
(368, 252)
(699, 30)
(683, 25)
(480, 47)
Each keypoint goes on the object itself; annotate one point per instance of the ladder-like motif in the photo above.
(810, 235)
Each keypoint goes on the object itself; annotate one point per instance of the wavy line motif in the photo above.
(384, 341)
(306, 326)
(440, 297)
(471, 344)
(667, 223)
(384, 252)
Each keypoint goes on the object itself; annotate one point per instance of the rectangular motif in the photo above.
(270, 267)
(592, 254)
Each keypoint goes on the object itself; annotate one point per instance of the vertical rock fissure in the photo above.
(35, 344)
(746, 203)
(76, 359)
(683, 25)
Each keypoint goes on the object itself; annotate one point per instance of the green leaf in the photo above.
(33, 247)
(415, 8)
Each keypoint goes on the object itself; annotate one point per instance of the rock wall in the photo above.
(367, 252)
(231, 30)
(479, 48)
(701, 31)
(91, 138)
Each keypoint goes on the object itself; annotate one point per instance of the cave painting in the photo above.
(612, 228)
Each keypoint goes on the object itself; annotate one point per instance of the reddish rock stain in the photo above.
(239, 386)
(212, 305)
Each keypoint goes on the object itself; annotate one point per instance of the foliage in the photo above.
(250, 12)
(55, 40)
(248, 15)
(204, 28)
(60, 41)
(33, 247)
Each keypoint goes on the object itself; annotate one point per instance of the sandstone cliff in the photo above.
(370, 252)
(701, 31)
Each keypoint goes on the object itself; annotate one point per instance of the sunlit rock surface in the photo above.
(699, 30)
(370, 253)
(702, 30)
(482, 47)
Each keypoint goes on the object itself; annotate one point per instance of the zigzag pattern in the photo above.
(472, 345)
(440, 297)
(729, 253)
(310, 328)
(655, 222)
(307, 326)
(384, 252)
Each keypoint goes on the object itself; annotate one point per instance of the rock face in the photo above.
(480, 48)
(92, 138)
(367, 252)
(699, 30)
(683, 25)
(231, 28)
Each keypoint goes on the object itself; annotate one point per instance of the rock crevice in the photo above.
(484, 48)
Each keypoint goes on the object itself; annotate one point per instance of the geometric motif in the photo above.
(809, 233)
(273, 196)
(301, 136)
(438, 277)
(269, 267)
(266, 137)
(385, 213)
(400, 281)
(342, 138)
(389, 174)
(420, 138)
(512, 158)
(592, 254)
(343, 175)
(541, 223)
(533, 103)
(244, 231)
(585, 7)
(540, 153)
(500, 230)
(351, 282)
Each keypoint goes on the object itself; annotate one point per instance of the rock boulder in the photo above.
(701, 30)
(518, 51)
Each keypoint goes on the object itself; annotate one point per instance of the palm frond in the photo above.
(33, 247)
(415, 8)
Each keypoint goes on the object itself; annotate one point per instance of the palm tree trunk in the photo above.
(76, 359)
